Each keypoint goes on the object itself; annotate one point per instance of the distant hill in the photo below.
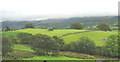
(60, 22)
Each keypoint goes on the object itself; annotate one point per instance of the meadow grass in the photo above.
(96, 36)
(53, 58)
(12, 33)
(23, 47)
(50, 33)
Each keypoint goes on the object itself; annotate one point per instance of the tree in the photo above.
(77, 26)
(112, 47)
(7, 28)
(43, 44)
(24, 38)
(7, 44)
(60, 41)
(85, 45)
(29, 25)
(104, 26)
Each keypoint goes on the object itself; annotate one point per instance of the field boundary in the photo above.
(73, 33)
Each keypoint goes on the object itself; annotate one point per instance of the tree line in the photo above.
(101, 26)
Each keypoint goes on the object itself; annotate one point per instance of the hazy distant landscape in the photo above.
(60, 22)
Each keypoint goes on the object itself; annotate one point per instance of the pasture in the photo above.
(96, 36)
(73, 36)
(27, 48)
(50, 33)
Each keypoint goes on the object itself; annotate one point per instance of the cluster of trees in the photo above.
(104, 27)
(29, 25)
(45, 45)
(87, 46)
(111, 48)
(77, 26)
(83, 45)
(7, 28)
(101, 26)
(42, 44)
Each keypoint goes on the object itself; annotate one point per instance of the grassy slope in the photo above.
(28, 49)
(23, 47)
(51, 58)
(96, 36)
(50, 33)
(13, 33)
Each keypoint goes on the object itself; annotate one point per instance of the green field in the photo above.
(96, 36)
(27, 48)
(24, 47)
(13, 33)
(50, 33)
(51, 58)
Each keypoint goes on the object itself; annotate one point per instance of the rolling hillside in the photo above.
(60, 22)
(72, 35)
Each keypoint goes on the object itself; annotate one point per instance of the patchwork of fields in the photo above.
(96, 36)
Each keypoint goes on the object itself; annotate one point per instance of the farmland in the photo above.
(96, 36)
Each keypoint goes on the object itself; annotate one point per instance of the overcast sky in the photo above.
(58, 8)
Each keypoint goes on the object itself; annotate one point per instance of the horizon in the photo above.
(41, 19)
